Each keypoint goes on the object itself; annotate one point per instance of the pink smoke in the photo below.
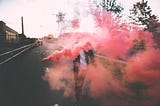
(75, 23)
(145, 66)
(111, 40)
(60, 78)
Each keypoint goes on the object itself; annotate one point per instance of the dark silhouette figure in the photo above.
(82, 56)
(80, 64)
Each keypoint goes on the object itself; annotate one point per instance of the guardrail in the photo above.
(7, 56)
(114, 60)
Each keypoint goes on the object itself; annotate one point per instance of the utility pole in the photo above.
(22, 26)
(21, 36)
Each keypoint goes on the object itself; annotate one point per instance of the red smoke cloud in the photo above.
(71, 53)
(75, 23)
(145, 66)
(61, 78)
(111, 40)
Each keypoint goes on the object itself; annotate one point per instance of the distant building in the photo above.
(21, 38)
(2, 31)
(7, 34)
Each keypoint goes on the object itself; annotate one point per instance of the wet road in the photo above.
(21, 82)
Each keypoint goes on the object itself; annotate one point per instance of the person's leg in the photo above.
(83, 79)
(76, 79)
(81, 76)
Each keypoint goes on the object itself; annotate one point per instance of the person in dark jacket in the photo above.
(81, 56)
(80, 64)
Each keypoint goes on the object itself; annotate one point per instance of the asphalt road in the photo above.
(21, 82)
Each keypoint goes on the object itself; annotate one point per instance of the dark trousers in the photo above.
(79, 77)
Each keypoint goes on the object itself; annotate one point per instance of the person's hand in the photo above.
(44, 59)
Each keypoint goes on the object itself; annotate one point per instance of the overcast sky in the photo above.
(39, 15)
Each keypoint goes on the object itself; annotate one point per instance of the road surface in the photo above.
(21, 82)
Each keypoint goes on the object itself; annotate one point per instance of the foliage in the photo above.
(112, 6)
(141, 14)
(60, 20)
(60, 17)
(138, 46)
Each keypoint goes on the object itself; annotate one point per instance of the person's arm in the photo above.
(57, 55)
(52, 57)
(46, 59)
(75, 52)
(91, 56)
(76, 62)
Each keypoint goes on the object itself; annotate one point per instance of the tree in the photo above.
(141, 14)
(112, 6)
(139, 45)
(60, 20)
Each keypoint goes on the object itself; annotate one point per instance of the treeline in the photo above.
(141, 15)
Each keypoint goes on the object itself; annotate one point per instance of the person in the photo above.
(80, 66)
(82, 57)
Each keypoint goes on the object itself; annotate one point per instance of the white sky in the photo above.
(39, 15)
